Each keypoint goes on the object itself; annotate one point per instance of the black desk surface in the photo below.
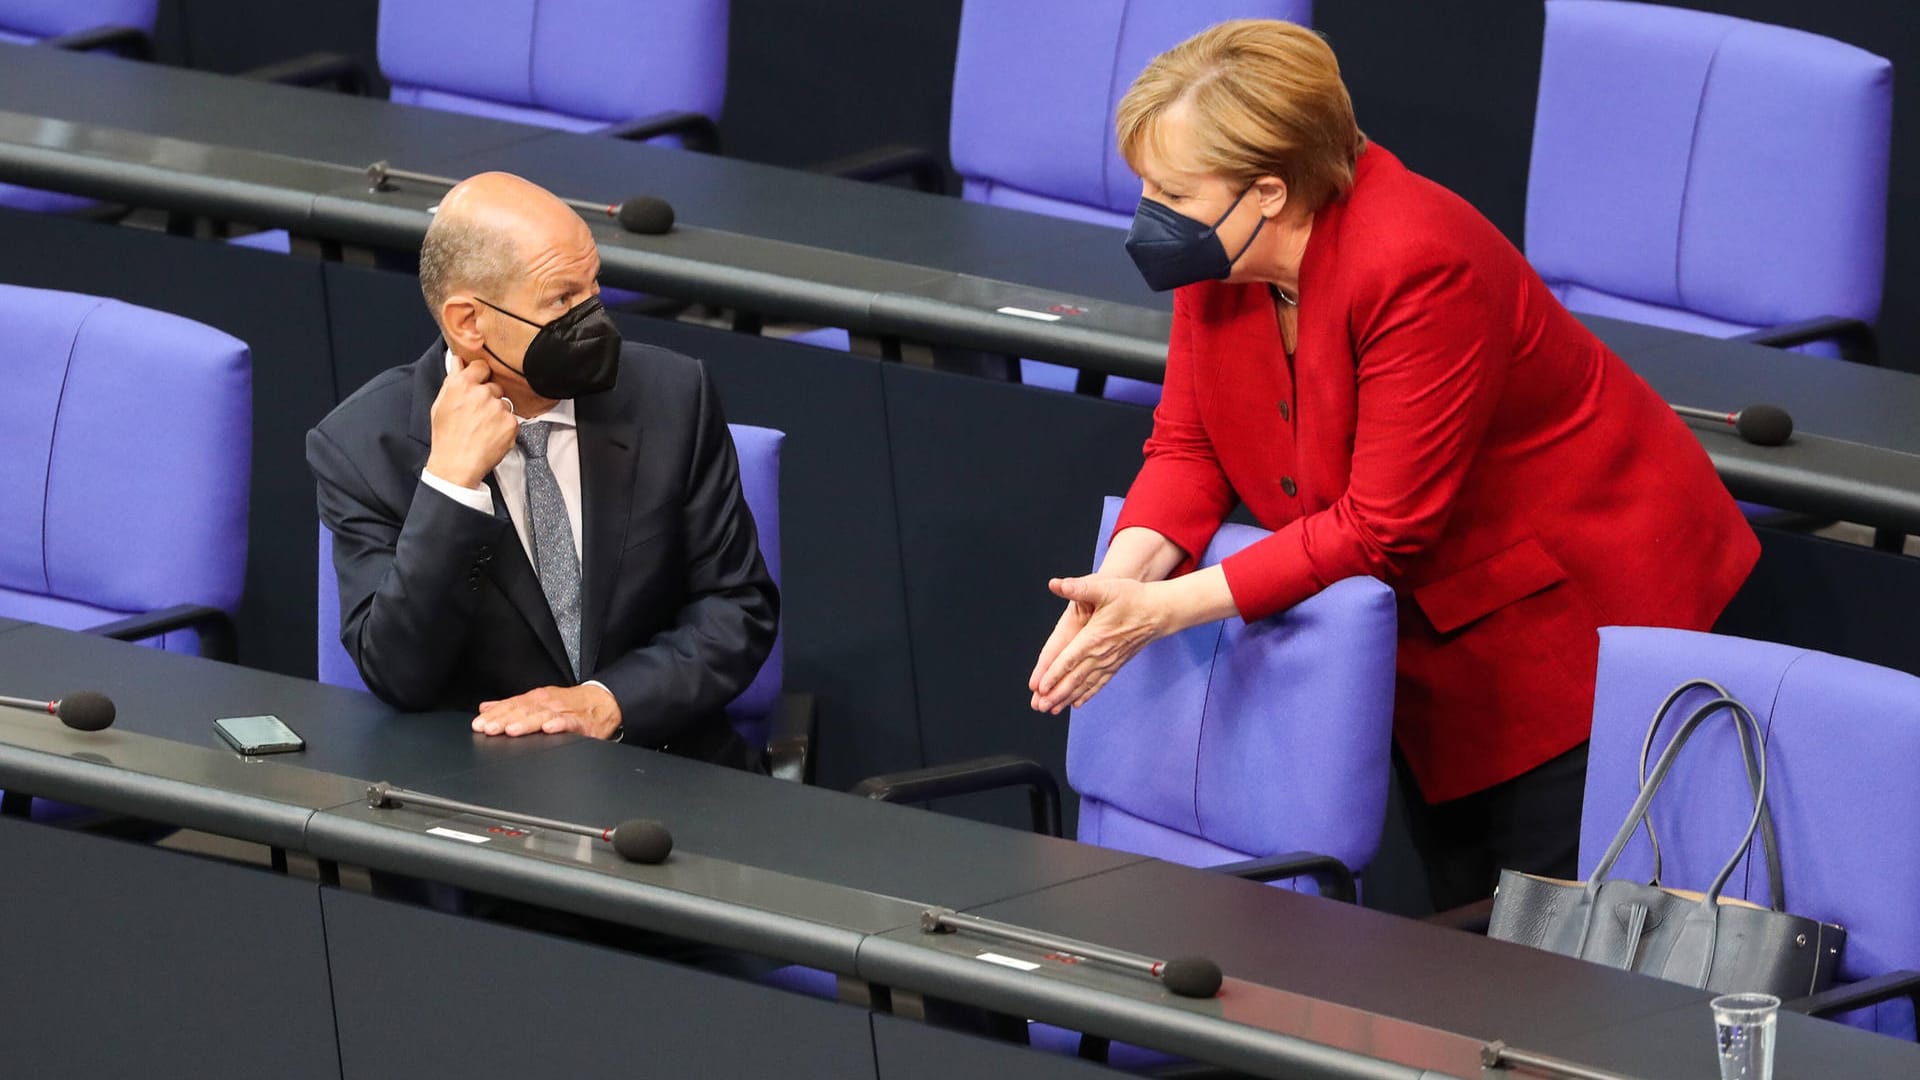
(1411, 990)
(177, 698)
(842, 878)
(864, 219)
(945, 235)
(1834, 398)
(226, 111)
(897, 851)
(1679, 1045)
(719, 813)
(1382, 964)
(871, 220)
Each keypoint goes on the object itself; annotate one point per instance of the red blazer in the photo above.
(1447, 427)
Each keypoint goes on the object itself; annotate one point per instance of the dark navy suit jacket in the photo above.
(441, 609)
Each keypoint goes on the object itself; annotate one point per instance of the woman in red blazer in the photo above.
(1368, 364)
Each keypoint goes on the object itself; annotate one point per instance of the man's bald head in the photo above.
(489, 232)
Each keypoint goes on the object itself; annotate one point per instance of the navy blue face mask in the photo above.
(1171, 249)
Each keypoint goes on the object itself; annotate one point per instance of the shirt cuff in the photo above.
(619, 733)
(475, 498)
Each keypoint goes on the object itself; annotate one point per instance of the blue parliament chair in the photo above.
(122, 26)
(115, 26)
(1035, 87)
(1841, 740)
(1258, 749)
(655, 71)
(1711, 174)
(124, 499)
(123, 503)
(766, 714)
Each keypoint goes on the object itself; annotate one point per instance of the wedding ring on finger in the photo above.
(508, 403)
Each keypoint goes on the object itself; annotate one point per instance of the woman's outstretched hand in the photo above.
(1107, 622)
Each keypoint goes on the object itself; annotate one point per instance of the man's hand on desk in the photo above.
(588, 709)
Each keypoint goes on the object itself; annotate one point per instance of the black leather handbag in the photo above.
(1705, 940)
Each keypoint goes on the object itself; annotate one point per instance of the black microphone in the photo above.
(82, 710)
(1188, 976)
(1761, 425)
(1191, 976)
(642, 214)
(642, 841)
(638, 840)
(645, 215)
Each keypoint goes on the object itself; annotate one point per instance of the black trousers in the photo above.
(1529, 823)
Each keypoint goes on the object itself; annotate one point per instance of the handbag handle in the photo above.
(1769, 845)
(1660, 770)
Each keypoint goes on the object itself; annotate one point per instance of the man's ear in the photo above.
(1272, 195)
(460, 322)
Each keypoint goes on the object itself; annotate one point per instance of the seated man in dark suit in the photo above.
(535, 522)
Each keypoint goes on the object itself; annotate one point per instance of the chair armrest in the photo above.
(1855, 338)
(1332, 875)
(971, 778)
(341, 72)
(795, 728)
(214, 626)
(920, 166)
(697, 131)
(1473, 918)
(125, 40)
(1894, 984)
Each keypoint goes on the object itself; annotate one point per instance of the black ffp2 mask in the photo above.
(574, 355)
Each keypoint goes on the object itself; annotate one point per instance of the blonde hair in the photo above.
(1265, 98)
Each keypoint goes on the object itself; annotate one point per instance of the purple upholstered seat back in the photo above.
(1229, 741)
(758, 449)
(33, 20)
(576, 65)
(335, 667)
(759, 452)
(1707, 173)
(1035, 87)
(1842, 739)
(127, 461)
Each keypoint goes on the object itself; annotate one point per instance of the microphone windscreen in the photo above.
(86, 710)
(1191, 976)
(645, 215)
(1764, 425)
(642, 841)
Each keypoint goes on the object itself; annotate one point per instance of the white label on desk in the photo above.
(1043, 316)
(453, 835)
(1008, 961)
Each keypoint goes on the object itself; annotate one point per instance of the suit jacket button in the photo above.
(1287, 485)
(1286, 411)
(485, 552)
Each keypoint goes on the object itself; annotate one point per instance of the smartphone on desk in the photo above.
(256, 735)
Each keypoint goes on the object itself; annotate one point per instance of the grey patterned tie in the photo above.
(550, 534)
